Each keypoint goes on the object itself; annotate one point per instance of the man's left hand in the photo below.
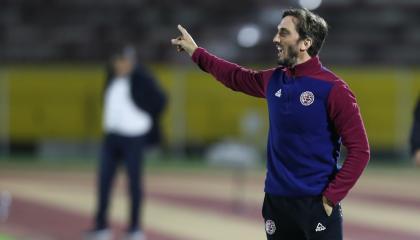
(328, 206)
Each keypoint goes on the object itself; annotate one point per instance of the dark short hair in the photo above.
(309, 25)
(124, 51)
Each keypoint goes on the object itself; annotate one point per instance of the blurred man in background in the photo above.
(311, 112)
(415, 135)
(133, 103)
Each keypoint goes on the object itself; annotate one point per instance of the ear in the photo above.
(306, 44)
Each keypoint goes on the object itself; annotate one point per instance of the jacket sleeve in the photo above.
(235, 77)
(345, 115)
(146, 92)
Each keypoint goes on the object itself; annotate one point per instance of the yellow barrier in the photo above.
(64, 102)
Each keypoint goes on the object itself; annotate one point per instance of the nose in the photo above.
(276, 39)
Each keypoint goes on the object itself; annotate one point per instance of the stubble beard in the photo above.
(289, 59)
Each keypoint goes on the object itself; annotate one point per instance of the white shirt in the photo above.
(121, 115)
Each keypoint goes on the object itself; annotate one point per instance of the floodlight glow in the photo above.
(310, 4)
(248, 36)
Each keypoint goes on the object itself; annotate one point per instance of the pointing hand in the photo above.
(184, 42)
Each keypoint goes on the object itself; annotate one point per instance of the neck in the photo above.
(302, 58)
(121, 75)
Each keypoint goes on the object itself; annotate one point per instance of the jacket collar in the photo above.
(309, 67)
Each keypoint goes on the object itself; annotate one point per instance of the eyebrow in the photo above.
(283, 30)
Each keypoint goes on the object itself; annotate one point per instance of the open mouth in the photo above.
(280, 50)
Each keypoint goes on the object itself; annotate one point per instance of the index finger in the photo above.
(183, 31)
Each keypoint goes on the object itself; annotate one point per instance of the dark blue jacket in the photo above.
(147, 95)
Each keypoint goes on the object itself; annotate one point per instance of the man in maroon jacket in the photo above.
(311, 113)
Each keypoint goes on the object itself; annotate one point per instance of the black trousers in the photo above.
(301, 218)
(129, 150)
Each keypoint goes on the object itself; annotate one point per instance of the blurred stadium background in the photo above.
(52, 69)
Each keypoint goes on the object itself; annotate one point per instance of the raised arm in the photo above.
(237, 78)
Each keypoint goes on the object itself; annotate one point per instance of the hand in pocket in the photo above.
(328, 207)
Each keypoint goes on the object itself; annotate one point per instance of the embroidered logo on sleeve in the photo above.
(307, 98)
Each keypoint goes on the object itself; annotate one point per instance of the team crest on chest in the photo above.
(307, 98)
